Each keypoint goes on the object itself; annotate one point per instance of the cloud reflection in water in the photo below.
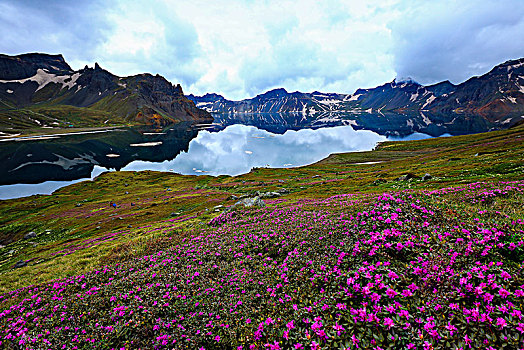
(238, 148)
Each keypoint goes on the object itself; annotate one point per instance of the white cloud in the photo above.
(238, 148)
(457, 39)
(244, 47)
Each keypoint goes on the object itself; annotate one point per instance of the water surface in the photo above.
(42, 165)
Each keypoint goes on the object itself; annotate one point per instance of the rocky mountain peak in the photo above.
(30, 79)
(404, 81)
(26, 65)
(274, 93)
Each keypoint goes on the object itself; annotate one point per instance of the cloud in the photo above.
(456, 39)
(152, 39)
(73, 29)
(238, 148)
(241, 48)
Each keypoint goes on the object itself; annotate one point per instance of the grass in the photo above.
(78, 231)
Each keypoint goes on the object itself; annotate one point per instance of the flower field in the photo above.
(409, 269)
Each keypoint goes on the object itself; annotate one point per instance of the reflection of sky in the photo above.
(412, 137)
(238, 148)
(48, 187)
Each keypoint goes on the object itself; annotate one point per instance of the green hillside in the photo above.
(416, 244)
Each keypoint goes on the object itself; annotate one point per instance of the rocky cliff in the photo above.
(40, 89)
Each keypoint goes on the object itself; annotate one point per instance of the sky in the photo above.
(241, 48)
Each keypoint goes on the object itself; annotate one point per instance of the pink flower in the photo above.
(451, 328)
(467, 340)
(338, 328)
(406, 293)
(355, 340)
(388, 322)
(504, 293)
(391, 293)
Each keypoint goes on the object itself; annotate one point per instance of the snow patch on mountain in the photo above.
(42, 78)
(428, 101)
(353, 97)
(514, 66)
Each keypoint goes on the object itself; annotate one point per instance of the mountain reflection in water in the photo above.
(44, 165)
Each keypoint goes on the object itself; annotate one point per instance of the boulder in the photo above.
(426, 177)
(248, 202)
(30, 235)
(20, 264)
(407, 177)
(269, 194)
(378, 182)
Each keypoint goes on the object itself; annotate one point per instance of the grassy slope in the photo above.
(78, 231)
(81, 213)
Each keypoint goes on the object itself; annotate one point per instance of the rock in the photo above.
(407, 177)
(281, 181)
(233, 197)
(126, 185)
(30, 235)
(259, 202)
(248, 202)
(78, 204)
(20, 264)
(426, 177)
(378, 182)
(283, 190)
(268, 194)
(174, 214)
(127, 192)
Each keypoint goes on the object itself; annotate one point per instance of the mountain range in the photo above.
(42, 90)
(493, 100)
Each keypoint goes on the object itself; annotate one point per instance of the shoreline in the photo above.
(57, 132)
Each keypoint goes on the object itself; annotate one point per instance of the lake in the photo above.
(40, 165)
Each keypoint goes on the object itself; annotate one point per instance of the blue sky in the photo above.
(243, 48)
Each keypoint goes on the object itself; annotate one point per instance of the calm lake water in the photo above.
(40, 166)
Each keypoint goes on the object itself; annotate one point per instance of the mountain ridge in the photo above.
(494, 97)
(42, 90)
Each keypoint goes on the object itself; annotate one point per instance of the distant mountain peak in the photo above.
(275, 92)
(404, 80)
